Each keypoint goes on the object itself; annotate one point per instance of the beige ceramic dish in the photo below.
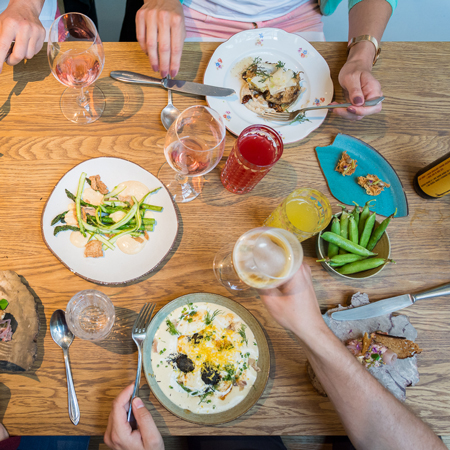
(263, 360)
(383, 248)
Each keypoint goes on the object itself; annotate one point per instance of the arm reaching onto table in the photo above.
(119, 434)
(294, 306)
(20, 23)
(368, 17)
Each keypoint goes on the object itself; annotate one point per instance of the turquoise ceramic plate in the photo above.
(369, 161)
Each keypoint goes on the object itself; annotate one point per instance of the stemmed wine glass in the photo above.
(194, 145)
(76, 57)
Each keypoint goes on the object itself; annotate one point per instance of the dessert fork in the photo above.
(138, 334)
(289, 116)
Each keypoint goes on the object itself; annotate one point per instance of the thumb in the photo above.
(353, 88)
(151, 437)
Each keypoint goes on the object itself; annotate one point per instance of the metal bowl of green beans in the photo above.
(367, 237)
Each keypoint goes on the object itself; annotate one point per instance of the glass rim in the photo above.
(212, 112)
(276, 135)
(57, 20)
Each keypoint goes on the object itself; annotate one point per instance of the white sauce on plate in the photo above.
(92, 197)
(129, 245)
(132, 189)
(77, 239)
(227, 344)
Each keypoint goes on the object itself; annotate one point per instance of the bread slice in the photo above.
(404, 348)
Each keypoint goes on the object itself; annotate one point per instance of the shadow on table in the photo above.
(27, 71)
(123, 100)
(119, 340)
(5, 396)
(280, 180)
(145, 395)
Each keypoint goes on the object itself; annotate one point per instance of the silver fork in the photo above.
(290, 116)
(138, 334)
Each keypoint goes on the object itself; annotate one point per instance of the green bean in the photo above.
(335, 228)
(368, 227)
(353, 230)
(64, 228)
(355, 214)
(340, 260)
(378, 232)
(346, 244)
(361, 266)
(344, 226)
(364, 215)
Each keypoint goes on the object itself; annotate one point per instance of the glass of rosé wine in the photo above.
(193, 146)
(76, 57)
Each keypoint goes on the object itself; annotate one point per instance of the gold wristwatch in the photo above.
(365, 37)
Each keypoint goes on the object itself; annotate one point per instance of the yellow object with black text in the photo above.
(433, 181)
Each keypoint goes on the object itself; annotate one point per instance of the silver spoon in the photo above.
(63, 337)
(170, 112)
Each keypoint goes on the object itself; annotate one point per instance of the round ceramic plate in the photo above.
(263, 360)
(271, 45)
(115, 267)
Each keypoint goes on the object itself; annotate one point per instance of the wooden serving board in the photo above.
(19, 354)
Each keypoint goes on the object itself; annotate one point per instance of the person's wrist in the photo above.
(363, 53)
(34, 5)
(306, 330)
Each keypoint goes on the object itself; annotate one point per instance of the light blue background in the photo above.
(413, 20)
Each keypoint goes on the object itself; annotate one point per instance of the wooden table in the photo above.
(38, 146)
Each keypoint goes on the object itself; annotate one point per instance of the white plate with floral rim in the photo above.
(115, 267)
(272, 45)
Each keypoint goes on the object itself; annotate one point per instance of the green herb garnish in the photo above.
(210, 317)
(242, 334)
(3, 304)
(280, 65)
(171, 328)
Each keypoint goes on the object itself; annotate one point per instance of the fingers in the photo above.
(151, 437)
(164, 44)
(147, 35)
(123, 399)
(178, 33)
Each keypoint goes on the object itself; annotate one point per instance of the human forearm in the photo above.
(371, 416)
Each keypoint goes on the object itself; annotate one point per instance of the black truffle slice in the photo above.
(196, 338)
(184, 363)
(210, 375)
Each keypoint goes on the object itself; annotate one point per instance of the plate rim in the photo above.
(108, 283)
(258, 30)
(376, 151)
(164, 311)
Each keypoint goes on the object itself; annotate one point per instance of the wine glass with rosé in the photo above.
(193, 146)
(76, 57)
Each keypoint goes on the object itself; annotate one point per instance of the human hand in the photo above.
(119, 434)
(358, 83)
(294, 304)
(20, 22)
(162, 21)
(3, 433)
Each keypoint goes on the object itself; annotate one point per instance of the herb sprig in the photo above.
(210, 317)
(171, 328)
(241, 332)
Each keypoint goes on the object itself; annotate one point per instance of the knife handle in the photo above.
(132, 77)
(437, 292)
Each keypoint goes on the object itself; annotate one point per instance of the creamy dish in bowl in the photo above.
(204, 358)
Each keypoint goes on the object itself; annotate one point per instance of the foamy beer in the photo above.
(261, 258)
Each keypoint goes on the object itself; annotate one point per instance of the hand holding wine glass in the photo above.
(76, 57)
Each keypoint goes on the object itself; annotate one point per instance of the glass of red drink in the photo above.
(76, 57)
(255, 152)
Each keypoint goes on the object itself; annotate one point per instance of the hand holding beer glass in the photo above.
(262, 258)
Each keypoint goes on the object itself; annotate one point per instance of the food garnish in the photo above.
(346, 165)
(372, 184)
(5, 325)
(113, 217)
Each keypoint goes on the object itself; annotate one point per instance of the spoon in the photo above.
(63, 337)
(170, 112)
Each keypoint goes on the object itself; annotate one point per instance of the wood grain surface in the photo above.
(38, 146)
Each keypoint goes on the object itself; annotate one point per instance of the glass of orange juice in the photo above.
(305, 212)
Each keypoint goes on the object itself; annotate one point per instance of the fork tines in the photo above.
(142, 321)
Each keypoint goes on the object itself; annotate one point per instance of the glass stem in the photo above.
(182, 179)
(82, 99)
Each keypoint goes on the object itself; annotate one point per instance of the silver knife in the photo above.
(389, 305)
(188, 87)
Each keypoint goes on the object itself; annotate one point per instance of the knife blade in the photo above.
(389, 305)
(188, 87)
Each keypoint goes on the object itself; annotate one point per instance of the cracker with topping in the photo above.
(372, 184)
(346, 165)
